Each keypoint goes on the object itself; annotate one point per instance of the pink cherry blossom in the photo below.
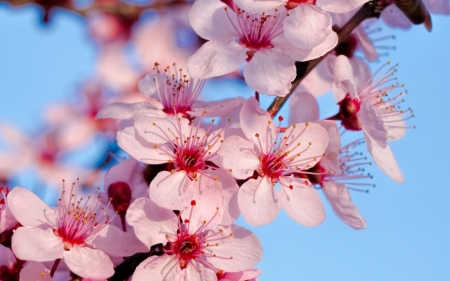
(9, 266)
(170, 92)
(196, 246)
(368, 108)
(274, 158)
(237, 36)
(7, 219)
(78, 231)
(309, 23)
(190, 152)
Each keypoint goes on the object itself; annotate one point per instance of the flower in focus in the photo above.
(78, 231)
(196, 245)
(238, 36)
(274, 158)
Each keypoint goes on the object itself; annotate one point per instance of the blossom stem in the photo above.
(368, 10)
(54, 267)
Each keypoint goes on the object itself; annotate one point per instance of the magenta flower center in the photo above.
(77, 219)
(294, 3)
(272, 166)
(176, 91)
(187, 247)
(190, 160)
(257, 30)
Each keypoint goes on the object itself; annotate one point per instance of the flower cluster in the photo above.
(168, 209)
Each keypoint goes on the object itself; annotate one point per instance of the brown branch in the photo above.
(368, 10)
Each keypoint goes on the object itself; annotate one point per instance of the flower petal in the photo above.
(255, 120)
(270, 71)
(216, 58)
(211, 21)
(160, 268)
(151, 222)
(120, 110)
(35, 271)
(384, 158)
(339, 198)
(36, 244)
(343, 75)
(28, 209)
(342, 6)
(307, 26)
(301, 203)
(238, 156)
(89, 263)
(372, 124)
(216, 108)
(173, 191)
(258, 201)
(303, 107)
(238, 252)
(106, 240)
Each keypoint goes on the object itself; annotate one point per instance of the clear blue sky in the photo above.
(408, 229)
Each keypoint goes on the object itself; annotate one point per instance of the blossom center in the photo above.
(272, 166)
(348, 109)
(190, 160)
(294, 3)
(187, 247)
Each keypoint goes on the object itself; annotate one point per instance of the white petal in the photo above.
(270, 72)
(258, 201)
(372, 124)
(89, 263)
(339, 6)
(238, 155)
(163, 268)
(303, 107)
(343, 75)
(339, 198)
(301, 203)
(216, 58)
(173, 191)
(36, 244)
(384, 158)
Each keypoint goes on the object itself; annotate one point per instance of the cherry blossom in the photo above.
(237, 36)
(77, 231)
(7, 219)
(189, 150)
(367, 109)
(9, 266)
(274, 159)
(196, 245)
(170, 92)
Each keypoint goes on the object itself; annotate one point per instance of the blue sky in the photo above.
(408, 229)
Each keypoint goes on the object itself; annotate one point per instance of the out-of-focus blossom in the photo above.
(7, 219)
(77, 231)
(9, 266)
(274, 158)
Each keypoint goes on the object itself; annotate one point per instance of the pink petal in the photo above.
(151, 222)
(35, 271)
(303, 107)
(248, 274)
(27, 208)
(244, 248)
(258, 7)
(343, 75)
(106, 240)
(394, 17)
(163, 268)
(89, 263)
(342, 6)
(319, 80)
(230, 191)
(331, 159)
(384, 158)
(130, 141)
(121, 110)
(158, 130)
(307, 26)
(258, 201)
(199, 273)
(270, 72)
(173, 191)
(216, 108)
(7, 219)
(6, 257)
(127, 171)
(210, 20)
(216, 58)
(372, 124)
(239, 157)
(365, 44)
(255, 120)
(36, 244)
(301, 203)
(438, 6)
(327, 45)
(339, 198)
(398, 128)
